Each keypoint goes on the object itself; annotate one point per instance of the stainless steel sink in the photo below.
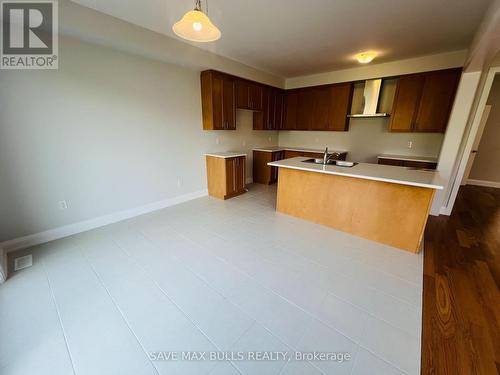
(338, 163)
(319, 161)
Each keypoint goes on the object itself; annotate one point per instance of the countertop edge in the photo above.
(373, 178)
(277, 149)
(215, 155)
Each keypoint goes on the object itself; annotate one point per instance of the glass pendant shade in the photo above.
(196, 27)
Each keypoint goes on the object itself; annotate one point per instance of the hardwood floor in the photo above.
(461, 299)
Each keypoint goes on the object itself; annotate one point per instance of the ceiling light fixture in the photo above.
(366, 57)
(196, 26)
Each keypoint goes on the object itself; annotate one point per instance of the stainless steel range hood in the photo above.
(370, 99)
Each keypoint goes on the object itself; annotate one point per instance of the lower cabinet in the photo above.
(263, 173)
(408, 163)
(226, 176)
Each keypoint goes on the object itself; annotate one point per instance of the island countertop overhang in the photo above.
(376, 172)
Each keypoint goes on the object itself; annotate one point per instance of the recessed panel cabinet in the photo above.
(248, 95)
(226, 176)
(423, 102)
(271, 116)
(218, 101)
(318, 108)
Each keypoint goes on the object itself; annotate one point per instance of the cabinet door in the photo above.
(406, 102)
(242, 99)
(271, 110)
(319, 111)
(255, 97)
(274, 170)
(230, 176)
(419, 164)
(228, 104)
(217, 102)
(291, 101)
(304, 109)
(239, 174)
(398, 163)
(261, 171)
(292, 154)
(438, 94)
(278, 110)
(266, 106)
(339, 107)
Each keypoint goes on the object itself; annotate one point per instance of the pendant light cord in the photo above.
(197, 6)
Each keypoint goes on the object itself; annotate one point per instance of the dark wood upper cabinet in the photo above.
(340, 100)
(242, 99)
(324, 107)
(423, 102)
(279, 109)
(249, 95)
(270, 118)
(228, 104)
(255, 96)
(218, 101)
(290, 110)
(438, 94)
(305, 105)
(406, 102)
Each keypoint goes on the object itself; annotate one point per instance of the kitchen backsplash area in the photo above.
(366, 139)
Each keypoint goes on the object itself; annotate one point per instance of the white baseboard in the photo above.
(444, 211)
(83, 226)
(493, 184)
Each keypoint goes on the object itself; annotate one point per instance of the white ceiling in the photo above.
(296, 37)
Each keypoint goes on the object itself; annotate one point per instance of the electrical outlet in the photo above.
(217, 141)
(270, 139)
(179, 182)
(63, 205)
(410, 144)
(244, 143)
(316, 139)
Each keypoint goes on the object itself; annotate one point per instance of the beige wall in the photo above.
(486, 165)
(366, 139)
(374, 70)
(98, 28)
(108, 131)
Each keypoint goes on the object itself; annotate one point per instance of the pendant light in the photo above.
(196, 26)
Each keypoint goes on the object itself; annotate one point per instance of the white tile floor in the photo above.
(209, 275)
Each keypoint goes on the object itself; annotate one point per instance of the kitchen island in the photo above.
(382, 203)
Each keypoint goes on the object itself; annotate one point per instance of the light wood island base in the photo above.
(388, 213)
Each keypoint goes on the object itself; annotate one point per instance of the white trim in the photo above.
(493, 184)
(3, 265)
(82, 226)
(464, 158)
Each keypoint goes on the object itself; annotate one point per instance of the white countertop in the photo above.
(225, 155)
(376, 172)
(303, 149)
(425, 159)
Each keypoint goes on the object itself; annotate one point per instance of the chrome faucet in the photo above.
(327, 157)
